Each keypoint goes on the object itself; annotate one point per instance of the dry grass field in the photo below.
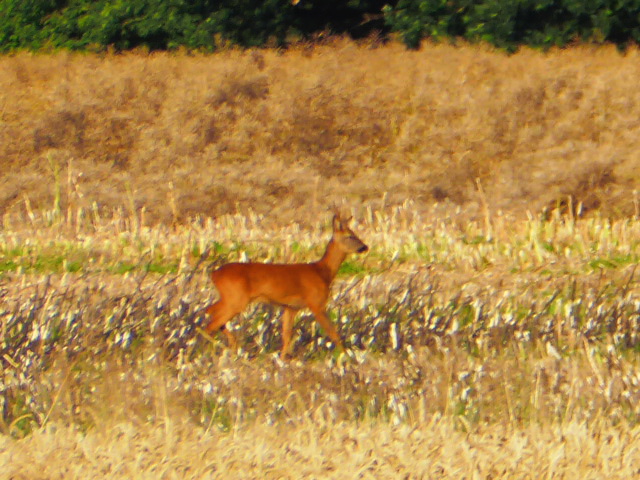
(487, 340)
(285, 133)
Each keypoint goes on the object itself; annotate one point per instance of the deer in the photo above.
(292, 286)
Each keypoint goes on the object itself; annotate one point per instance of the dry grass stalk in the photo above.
(309, 449)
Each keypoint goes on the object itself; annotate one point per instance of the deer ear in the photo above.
(337, 223)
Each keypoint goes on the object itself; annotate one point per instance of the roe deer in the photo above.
(292, 286)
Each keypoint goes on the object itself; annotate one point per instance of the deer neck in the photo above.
(331, 261)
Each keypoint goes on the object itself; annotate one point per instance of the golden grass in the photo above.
(288, 133)
(310, 449)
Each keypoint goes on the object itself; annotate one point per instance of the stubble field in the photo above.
(489, 338)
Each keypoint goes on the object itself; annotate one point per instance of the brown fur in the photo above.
(291, 286)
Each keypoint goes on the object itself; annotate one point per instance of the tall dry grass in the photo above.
(291, 132)
(308, 449)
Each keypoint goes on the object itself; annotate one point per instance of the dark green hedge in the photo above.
(510, 23)
(206, 24)
(157, 24)
(166, 24)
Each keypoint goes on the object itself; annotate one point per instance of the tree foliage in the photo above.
(206, 24)
(167, 24)
(510, 23)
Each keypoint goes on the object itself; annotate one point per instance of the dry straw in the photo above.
(287, 133)
(514, 339)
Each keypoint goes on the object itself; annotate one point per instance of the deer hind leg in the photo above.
(325, 323)
(288, 316)
(220, 313)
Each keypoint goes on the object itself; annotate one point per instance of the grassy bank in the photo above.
(291, 133)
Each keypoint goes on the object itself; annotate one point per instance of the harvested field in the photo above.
(488, 339)
(508, 338)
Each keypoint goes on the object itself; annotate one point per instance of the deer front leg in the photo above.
(325, 323)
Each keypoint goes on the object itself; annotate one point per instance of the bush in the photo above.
(166, 24)
(21, 22)
(417, 19)
(205, 24)
(510, 23)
